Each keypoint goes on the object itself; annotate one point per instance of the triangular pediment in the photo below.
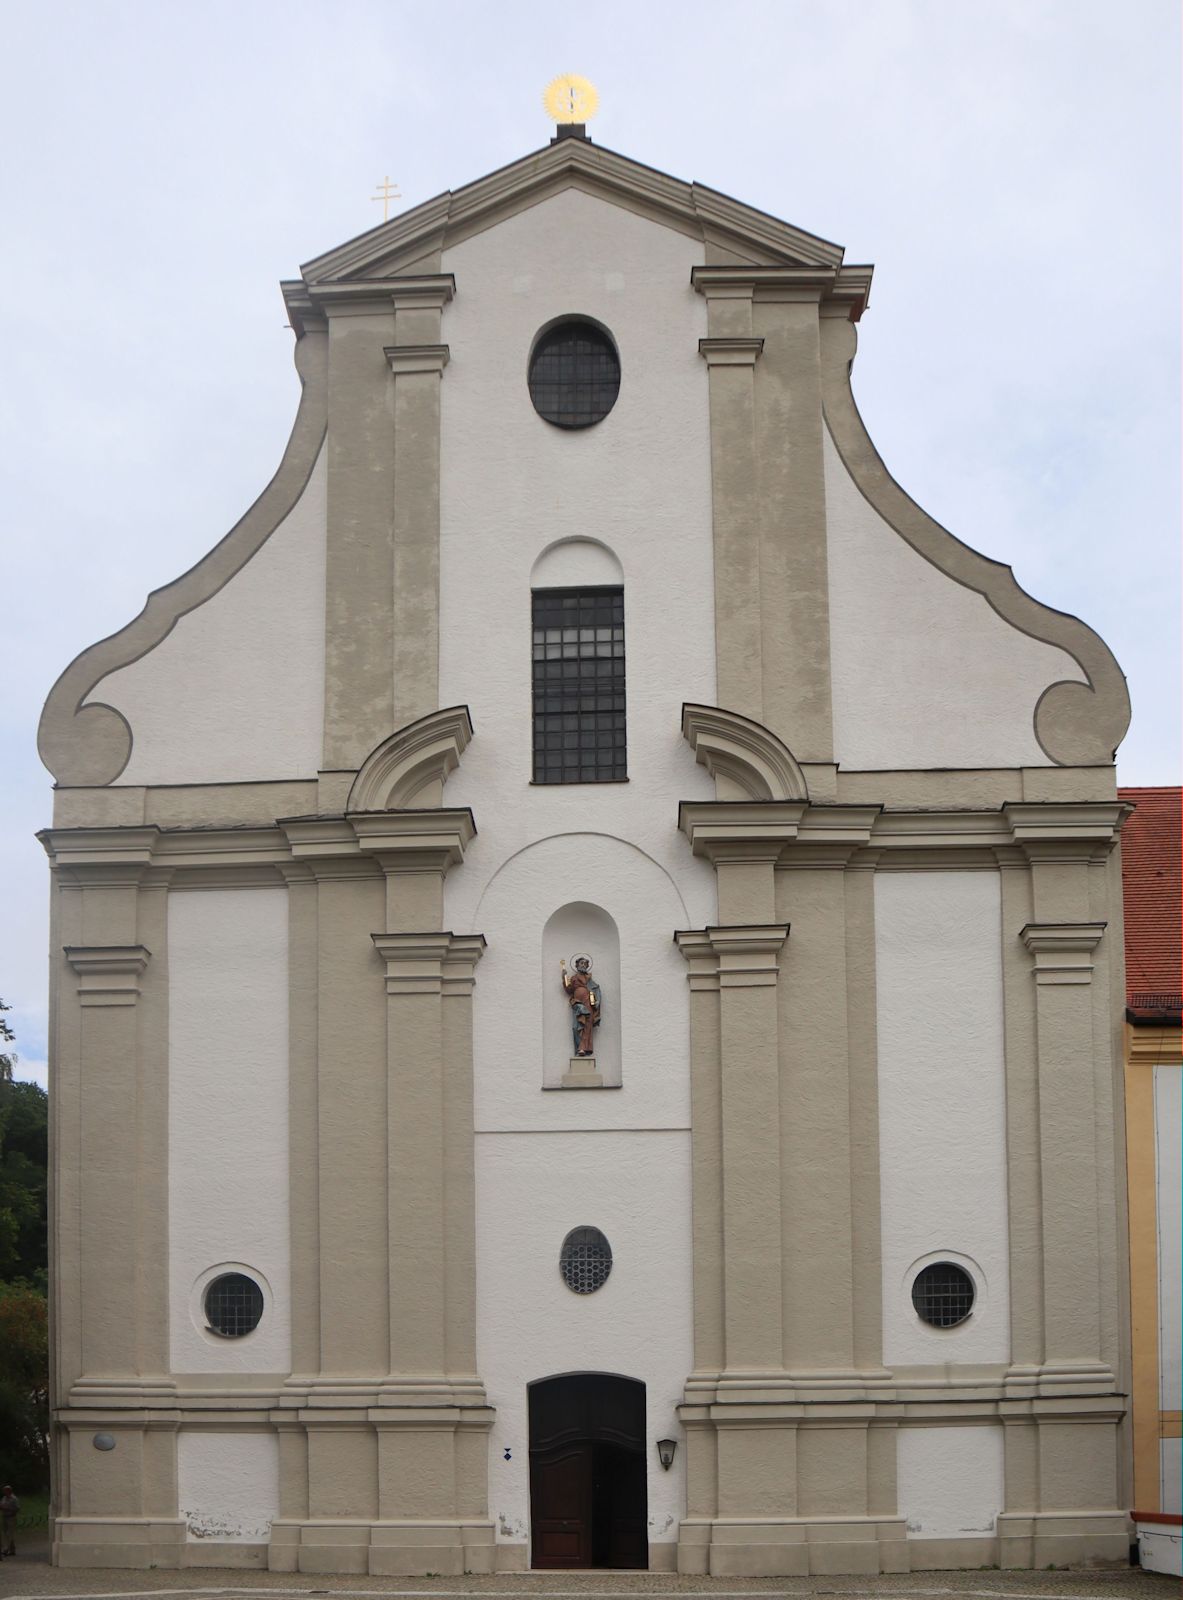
(733, 233)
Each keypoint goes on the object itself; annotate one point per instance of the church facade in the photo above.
(587, 961)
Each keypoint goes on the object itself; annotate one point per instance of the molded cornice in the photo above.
(90, 744)
(734, 956)
(402, 766)
(429, 963)
(406, 358)
(407, 241)
(746, 752)
(1062, 950)
(1076, 724)
(730, 352)
(108, 975)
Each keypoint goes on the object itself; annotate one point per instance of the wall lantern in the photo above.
(665, 1452)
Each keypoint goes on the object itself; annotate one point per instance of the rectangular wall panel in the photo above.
(228, 1484)
(942, 1106)
(228, 1119)
(950, 1481)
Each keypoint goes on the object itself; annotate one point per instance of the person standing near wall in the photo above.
(9, 1510)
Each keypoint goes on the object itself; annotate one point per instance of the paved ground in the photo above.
(31, 1577)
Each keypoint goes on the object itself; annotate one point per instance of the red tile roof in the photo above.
(1152, 891)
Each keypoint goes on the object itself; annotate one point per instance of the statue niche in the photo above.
(581, 1032)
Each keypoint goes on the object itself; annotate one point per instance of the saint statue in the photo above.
(586, 1002)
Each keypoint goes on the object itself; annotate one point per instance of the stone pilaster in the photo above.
(1062, 1435)
(390, 1473)
(109, 1157)
(731, 351)
(771, 575)
(382, 578)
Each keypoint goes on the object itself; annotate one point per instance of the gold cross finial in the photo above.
(571, 99)
(387, 192)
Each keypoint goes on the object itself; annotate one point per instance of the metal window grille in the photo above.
(233, 1305)
(585, 1260)
(579, 715)
(574, 375)
(943, 1294)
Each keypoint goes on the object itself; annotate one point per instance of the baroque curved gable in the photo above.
(1074, 723)
(85, 742)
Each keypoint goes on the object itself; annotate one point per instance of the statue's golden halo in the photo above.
(570, 98)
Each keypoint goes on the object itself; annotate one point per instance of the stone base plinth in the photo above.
(582, 1073)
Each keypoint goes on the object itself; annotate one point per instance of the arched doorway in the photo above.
(588, 1495)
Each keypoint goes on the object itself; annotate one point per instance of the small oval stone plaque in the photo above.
(104, 1441)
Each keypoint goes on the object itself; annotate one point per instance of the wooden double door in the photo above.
(588, 1493)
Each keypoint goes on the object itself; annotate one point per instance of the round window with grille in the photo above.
(585, 1260)
(574, 374)
(233, 1305)
(943, 1294)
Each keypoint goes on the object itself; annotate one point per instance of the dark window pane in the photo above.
(579, 722)
(943, 1294)
(233, 1305)
(574, 377)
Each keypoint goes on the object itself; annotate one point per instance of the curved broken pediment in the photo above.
(744, 752)
(411, 761)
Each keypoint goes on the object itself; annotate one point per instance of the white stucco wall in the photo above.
(228, 1484)
(950, 1481)
(925, 672)
(942, 1106)
(519, 1010)
(228, 1119)
(236, 690)
(531, 1191)
(1168, 1137)
(511, 485)
(524, 504)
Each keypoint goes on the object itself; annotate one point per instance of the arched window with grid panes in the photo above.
(579, 709)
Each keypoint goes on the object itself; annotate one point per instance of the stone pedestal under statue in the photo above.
(582, 1073)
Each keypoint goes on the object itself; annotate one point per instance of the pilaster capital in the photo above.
(429, 291)
(103, 857)
(749, 831)
(781, 833)
(408, 358)
(828, 837)
(430, 963)
(733, 957)
(108, 975)
(738, 352)
(1062, 832)
(1062, 950)
(401, 841)
(841, 290)
(424, 292)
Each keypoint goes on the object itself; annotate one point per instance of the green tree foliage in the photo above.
(24, 1342)
(7, 1058)
(24, 1145)
(24, 1388)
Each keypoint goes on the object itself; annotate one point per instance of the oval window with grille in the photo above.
(574, 374)
(233, 1305)
(585, 1260)
(943, 1294)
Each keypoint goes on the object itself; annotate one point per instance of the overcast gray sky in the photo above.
(1010, 166)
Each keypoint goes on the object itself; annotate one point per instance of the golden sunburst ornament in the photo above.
(570, 98)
